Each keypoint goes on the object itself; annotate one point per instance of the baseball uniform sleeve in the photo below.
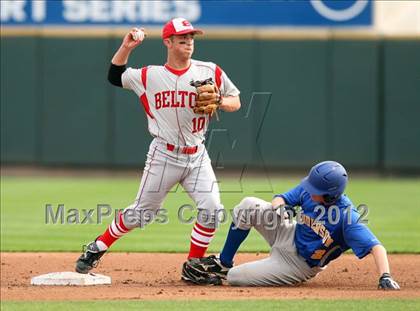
(227, 87)
(131, 80)
(357, 235)
(293, 196)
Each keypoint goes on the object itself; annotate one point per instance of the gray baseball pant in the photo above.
(284, 266)
(164, 169)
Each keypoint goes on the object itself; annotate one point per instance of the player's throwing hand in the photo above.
(134, 38)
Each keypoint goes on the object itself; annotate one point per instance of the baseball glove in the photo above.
(208, 97)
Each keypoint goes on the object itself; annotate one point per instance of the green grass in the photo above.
(254, 305)
(394, 213)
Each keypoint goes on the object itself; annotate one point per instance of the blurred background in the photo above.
(319, 80)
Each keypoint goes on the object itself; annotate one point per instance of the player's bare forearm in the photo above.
(230, 104)
(278, 201)
(381, 259)
(121, 56)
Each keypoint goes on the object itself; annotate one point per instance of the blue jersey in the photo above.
(319, 240)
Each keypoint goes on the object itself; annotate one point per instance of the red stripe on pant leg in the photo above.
(145, 179)
(209, 235)
(196, 251)
(107, 238)
(121, 225)
(120, 229)
(200, 242)
(201, 227)
(112, 232)
(199, 251)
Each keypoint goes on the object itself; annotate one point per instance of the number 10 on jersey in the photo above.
(198, 124)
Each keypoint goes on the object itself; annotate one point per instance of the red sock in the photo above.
(200, 240)
(114, 231)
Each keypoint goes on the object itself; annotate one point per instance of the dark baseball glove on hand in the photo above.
(192, 273)
(208, 97)
(387, 283)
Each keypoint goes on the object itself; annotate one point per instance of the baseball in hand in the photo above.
(137, 35)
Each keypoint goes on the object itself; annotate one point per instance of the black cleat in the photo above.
(191, 273)
(213, 265)
(89, 259)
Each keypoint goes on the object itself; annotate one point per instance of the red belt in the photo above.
(184, 150)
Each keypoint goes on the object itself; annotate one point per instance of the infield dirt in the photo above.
(157, 276)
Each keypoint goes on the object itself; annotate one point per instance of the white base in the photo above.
(70, 278)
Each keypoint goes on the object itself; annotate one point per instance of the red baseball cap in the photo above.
(179, 26)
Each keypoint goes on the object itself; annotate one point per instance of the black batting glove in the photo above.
(387, 283)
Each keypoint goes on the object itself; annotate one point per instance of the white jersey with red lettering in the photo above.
(168, 99)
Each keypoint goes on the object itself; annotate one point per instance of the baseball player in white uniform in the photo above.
(177, 153)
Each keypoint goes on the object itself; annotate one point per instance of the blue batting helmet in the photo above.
(328, 178)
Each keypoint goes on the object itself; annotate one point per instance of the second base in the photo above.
(71, 278)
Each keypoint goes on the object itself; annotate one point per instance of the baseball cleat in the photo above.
(192, 274)
(89, 259)
(213, 265)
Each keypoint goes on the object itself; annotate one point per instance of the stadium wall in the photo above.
(355, 100)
